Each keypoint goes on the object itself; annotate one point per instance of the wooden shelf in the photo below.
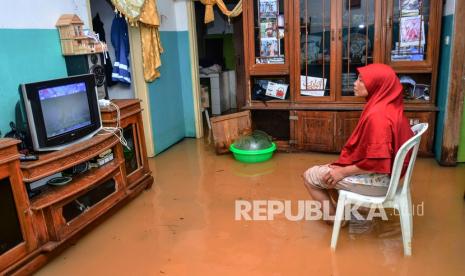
(52, 195)
(130, 107)
(83, 53)
(57, 216)
(330, 107)
(57, 161)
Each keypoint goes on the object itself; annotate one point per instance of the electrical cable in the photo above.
(117, 130)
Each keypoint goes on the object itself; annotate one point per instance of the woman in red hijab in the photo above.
(365, 162)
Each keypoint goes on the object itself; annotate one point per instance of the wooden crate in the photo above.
(229, 127)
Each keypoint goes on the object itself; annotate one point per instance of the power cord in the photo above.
(117, 130)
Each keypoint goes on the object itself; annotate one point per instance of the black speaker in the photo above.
(92, 63)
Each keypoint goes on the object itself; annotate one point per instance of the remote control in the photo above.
(29, 157)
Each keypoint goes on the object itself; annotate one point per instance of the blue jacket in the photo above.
(120, 41)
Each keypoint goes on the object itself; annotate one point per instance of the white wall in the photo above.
(180, 8)
(173, 15)
(449, 7)
(39, 14)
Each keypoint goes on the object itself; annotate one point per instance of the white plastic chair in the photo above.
(397, 196)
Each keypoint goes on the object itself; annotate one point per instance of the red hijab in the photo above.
(382, 128)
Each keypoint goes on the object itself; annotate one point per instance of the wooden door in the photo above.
(345, 125)
(407, 52)
(315, 130)
(358, 43)
(315, 24)
(268, 29)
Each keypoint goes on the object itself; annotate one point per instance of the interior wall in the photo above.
(106, 12)
(171, 99)
(30, 50)
(444, 72)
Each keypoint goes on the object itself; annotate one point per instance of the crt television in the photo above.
(60, 112)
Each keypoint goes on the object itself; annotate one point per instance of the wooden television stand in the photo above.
(44, 225)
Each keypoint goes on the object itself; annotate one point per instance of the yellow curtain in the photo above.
(144, 14)
(151, 44)
(131, 9)
(209, 16)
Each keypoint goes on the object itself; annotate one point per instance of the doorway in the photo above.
(103, 16)
(220, 62)
(104, 12)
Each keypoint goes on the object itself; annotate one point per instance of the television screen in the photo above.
(64, 108)
(60, 112)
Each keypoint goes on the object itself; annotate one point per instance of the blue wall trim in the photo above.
(171, 100)
(186, 83)
(26, 55)
(443, 81)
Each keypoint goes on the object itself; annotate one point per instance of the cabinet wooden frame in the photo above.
(295, 73)
(9, 169)
(44, 229)
(258, 69)
(433, 39)
(335, 102)
(253, 69)
(60, 229)
(131, 116)
(328, 131)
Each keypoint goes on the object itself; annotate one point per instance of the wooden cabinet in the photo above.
(426, 144)
(17, 236)
(321, 44)
(314, 128)
(329, 131)
(135, 154)
(52, 208)
(34, 228)
(345, 125)
(324, 131)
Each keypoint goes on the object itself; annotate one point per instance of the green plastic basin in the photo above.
(252, 156)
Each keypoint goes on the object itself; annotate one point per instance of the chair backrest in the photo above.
(414, 143)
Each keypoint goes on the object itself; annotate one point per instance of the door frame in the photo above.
(455, 98)
(194, 61)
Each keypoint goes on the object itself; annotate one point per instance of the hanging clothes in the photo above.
(100, 30)
(120, 42)
(144, 14)
(149, 22)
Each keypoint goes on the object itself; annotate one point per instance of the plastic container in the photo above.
(253, 156)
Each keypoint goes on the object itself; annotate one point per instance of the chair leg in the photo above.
(337, 221)
(405, 224)
(410, 208)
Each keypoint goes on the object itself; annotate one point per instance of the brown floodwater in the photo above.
(185, 225)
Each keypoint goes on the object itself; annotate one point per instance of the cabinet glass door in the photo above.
(131, 152)
(10, 228)
(408, 26)
(316, 40)
(357, 35)
(270, 31)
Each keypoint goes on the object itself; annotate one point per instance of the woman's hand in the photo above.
(335, 175)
